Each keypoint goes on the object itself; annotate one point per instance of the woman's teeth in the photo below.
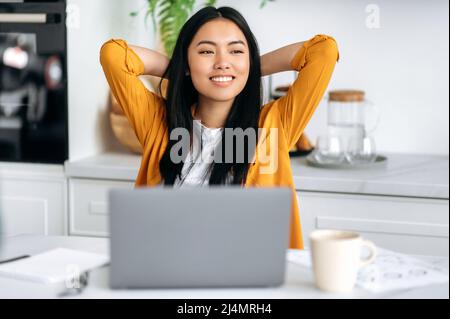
(222, 79)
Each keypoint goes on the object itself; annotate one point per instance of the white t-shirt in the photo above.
(196, 169)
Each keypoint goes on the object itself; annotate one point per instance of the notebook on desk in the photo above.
(54, 266)
(198, 237)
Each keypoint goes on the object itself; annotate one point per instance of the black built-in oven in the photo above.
(33, 81)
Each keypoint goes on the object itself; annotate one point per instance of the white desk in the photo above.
(298, 285)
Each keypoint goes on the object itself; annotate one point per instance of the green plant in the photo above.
(169, 16)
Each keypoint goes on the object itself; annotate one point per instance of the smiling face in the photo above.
(219, 60)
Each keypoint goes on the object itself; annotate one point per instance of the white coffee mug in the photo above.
(336, 258)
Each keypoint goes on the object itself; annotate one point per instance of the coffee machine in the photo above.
(33, 82)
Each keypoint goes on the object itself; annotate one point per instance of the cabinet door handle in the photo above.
(383, 226)
(98, 208)
(23, 18)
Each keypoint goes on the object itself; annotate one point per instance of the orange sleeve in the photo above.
(143, 108)
(315, 62)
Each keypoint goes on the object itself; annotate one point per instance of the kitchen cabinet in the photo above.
(33, 199)
(403, 206)
(90, 181)
(89, 205)
(410, 225)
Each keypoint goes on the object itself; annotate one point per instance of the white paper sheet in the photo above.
(54, 266)
(390, 270)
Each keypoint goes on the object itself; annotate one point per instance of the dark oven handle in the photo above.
(35, 18)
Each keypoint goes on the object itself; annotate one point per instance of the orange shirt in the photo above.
(289, 114)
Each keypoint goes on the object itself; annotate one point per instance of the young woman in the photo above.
(214, 84)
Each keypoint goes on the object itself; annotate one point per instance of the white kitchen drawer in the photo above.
(33, 200)
(410, 225)
(89, 205)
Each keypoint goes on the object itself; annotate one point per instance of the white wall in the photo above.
(98, 21)
(403, 65)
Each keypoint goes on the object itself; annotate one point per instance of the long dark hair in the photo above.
(181, 95)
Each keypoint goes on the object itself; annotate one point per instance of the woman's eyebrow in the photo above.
(214, 43)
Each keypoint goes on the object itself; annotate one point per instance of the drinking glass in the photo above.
(361, 151)
(329, 150)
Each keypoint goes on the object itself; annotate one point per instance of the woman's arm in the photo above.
(280, 59)
(314, 60)
(122, 67)
(155, 63)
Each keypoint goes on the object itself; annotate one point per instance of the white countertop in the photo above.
(112, 166)
(410, 175)
(299, 283)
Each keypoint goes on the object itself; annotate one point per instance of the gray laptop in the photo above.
(198, 237)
